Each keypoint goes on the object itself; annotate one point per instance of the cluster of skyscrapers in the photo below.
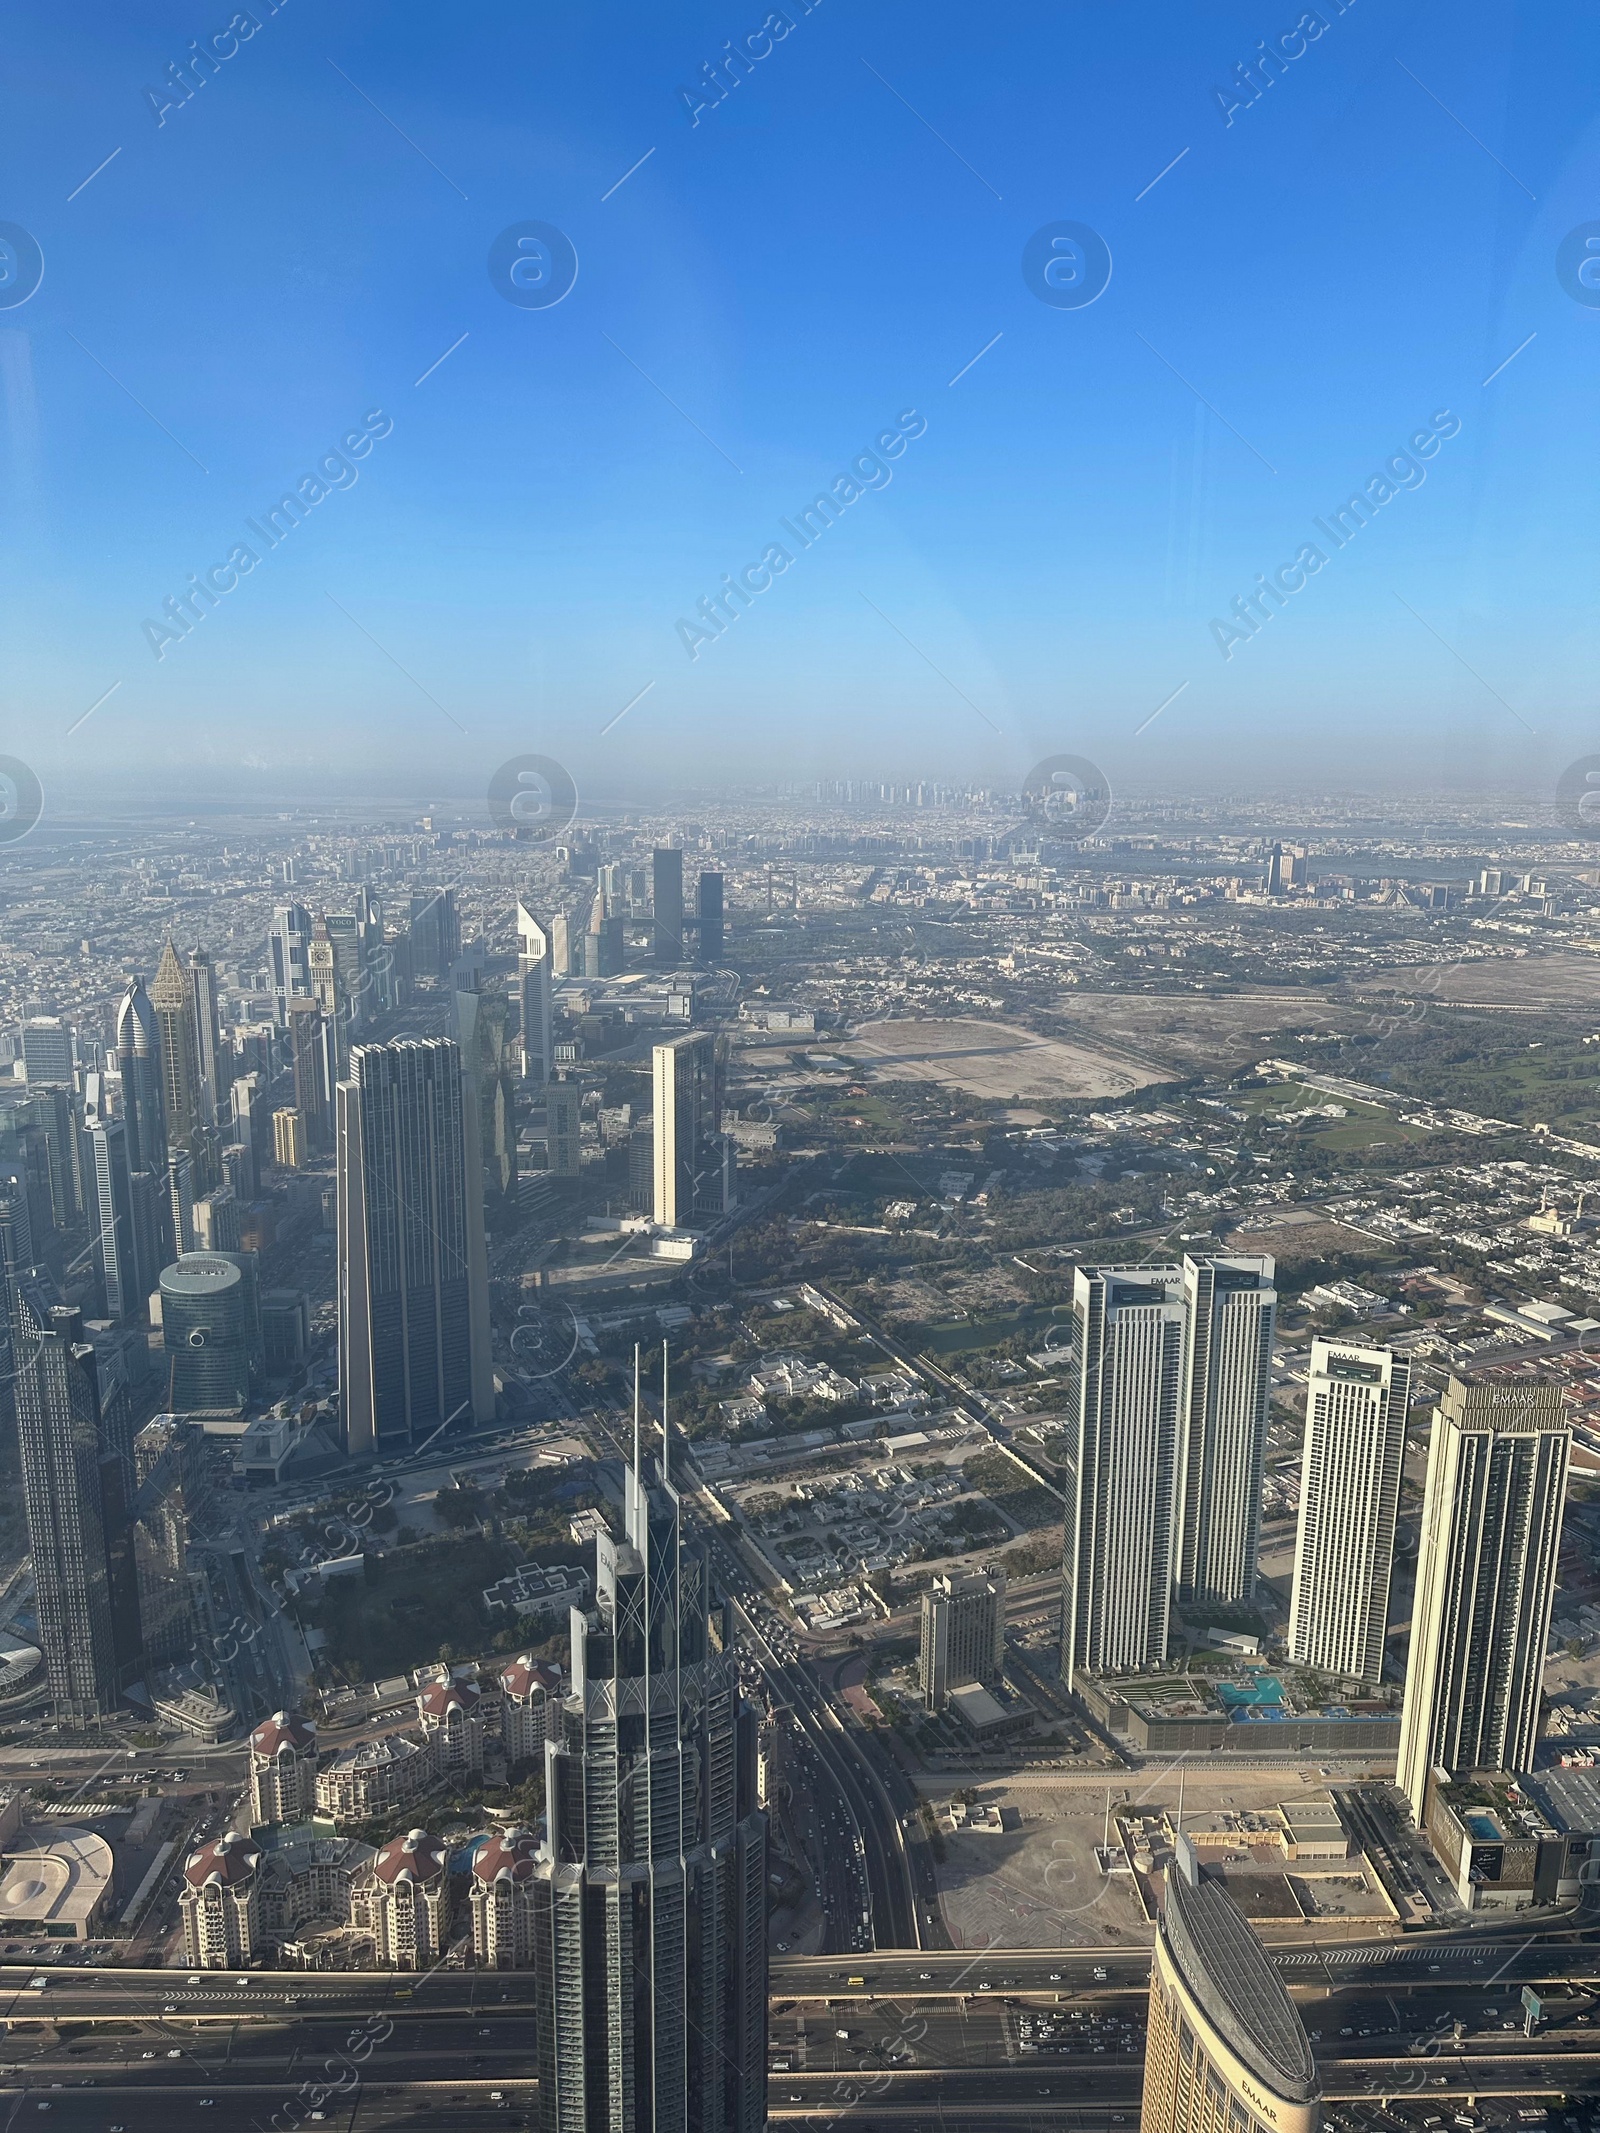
(1165, 1494)
(1174, 1387)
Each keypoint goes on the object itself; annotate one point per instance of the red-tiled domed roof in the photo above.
(417, 1856)
(230, 1858)
(509, 1852)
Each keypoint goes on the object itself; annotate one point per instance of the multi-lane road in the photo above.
(141, 2050)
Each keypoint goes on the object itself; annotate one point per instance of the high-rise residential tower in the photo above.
(649, 1900)
(1230, 1305)
(667, 903)
(1355, 1443)
(413, 1264)
(1118, 1558)
(1486, 1573)
(1225, 2048)
(60, 1439)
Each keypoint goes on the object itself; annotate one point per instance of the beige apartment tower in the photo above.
(288, 1138)
(1355, 1443)
(963, 1634)
(1225, 2051)
(1486, 1574)
(1230, 1307)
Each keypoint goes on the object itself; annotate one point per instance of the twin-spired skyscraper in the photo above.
(1174, 1384)
(650, 1930)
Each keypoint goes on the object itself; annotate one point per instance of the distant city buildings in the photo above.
(1355, 1440)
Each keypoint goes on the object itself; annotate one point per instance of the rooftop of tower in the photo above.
(1242, 1995)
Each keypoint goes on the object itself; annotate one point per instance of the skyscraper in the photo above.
(563, 1129)
(708, 910)
(169, 1468)
(139, 1065)
(210, 1332)
(649, 1907)
(47, 1051)
(667, 903)
(1225, 2048)
(126, 1275)
(533, 986)
(1118, 1551)
(288, 947)
(1355, 1444)
(328, 990)
(693, 1172)
(1486, 1572)
(59, 1436)
(481, 1017)
(207, 1033)
(311, 1049)
(413, 1263)
(1230, 1305)
(172, 999)
(561, 936)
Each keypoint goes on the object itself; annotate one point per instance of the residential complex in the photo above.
(1355, 1441)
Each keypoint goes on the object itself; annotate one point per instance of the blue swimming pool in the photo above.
(1268, 1689)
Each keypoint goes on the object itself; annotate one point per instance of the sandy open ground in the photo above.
(992, 1059)
(1533, 981)
(1188, 1031)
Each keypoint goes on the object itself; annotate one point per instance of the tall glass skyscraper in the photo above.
(60, 1438)
(413, 1259)
(649, 1901)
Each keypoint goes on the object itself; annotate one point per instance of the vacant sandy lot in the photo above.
(991, 1059)
(1539, 981)
(1214, 1030)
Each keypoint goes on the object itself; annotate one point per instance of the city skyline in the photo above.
(469, 565)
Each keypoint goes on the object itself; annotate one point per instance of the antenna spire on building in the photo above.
(636, 1410)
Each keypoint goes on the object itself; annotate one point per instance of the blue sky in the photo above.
(822, 253)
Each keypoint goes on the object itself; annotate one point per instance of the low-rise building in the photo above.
(1510, 1843)
(55, 1882)
(375, 1777)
